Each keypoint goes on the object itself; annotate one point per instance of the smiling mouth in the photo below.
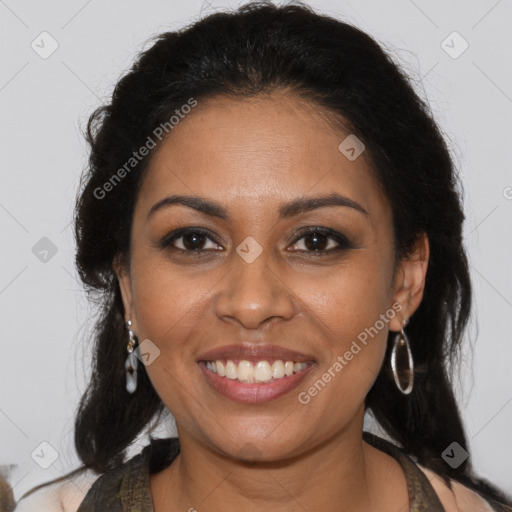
(254, 381)
(255, 371)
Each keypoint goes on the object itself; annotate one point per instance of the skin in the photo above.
(252, 155)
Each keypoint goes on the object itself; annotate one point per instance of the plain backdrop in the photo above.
(457, 52)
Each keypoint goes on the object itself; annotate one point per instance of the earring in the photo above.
(131, 362)
(401, 342)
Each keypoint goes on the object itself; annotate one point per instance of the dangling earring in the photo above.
(131, 362)
(401, 342)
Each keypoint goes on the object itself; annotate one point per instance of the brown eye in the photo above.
(190, 240)
(316, 240)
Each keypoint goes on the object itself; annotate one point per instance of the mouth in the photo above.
(254, 373)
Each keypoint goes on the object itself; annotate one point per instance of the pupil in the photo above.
(315, 237)
(194, 236)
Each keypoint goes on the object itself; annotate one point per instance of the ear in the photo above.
(122, 272)
(409, 282)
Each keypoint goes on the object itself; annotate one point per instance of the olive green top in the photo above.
(127, 488)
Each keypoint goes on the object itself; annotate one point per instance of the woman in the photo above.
(272, 221)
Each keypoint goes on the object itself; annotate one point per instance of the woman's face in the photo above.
(260, 279)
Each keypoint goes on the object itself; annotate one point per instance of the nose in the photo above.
(253, 294)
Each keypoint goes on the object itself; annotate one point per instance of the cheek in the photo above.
(351, 308)
(349, 299)
(169, 300)
(170, 311)
(353, 354)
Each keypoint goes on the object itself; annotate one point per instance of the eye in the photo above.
(190, 240)
(316, 241)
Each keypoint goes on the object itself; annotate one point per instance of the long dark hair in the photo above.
(257, 49)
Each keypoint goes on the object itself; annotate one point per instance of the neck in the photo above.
(342, 473)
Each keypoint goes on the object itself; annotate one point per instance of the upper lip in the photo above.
(254, 352)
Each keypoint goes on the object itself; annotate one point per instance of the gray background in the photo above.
(45, 317)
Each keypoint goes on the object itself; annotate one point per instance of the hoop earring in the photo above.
(402, 341)
(131, 362)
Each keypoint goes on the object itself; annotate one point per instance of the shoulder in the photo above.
(64, 495)
(127, 484)
(458, 498)
(88, 489)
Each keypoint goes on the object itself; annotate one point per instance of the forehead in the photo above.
(251, 153)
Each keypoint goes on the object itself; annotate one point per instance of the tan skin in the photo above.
(251, 156)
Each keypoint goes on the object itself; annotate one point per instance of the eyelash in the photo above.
(341, 240)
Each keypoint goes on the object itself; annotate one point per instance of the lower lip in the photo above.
(254, 392)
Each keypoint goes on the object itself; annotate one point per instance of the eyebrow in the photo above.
(286, 210)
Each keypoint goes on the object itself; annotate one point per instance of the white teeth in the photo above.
(262, 372)
(299, 366)
(220, 368)
(231, 371)
(278, 369)
(246, 371)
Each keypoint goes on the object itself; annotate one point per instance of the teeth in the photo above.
(220, 368)
(246, 371)
(262, 372)
(231, 372)
(278, 369)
